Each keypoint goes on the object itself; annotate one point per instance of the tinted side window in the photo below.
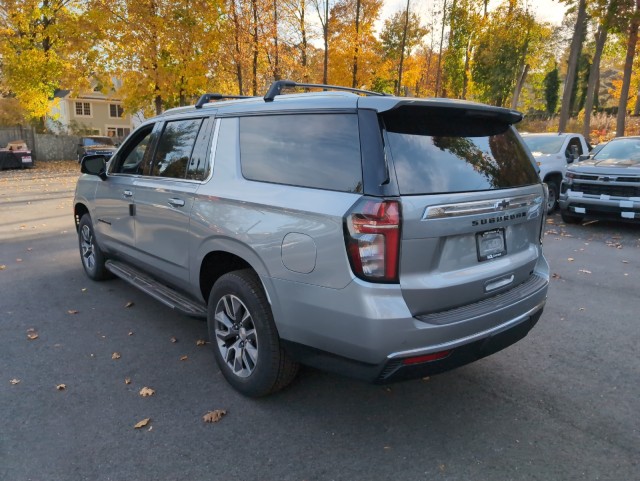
(174, 148)
(199, 165)
(440, 150)
(132, 155)
(308, 150)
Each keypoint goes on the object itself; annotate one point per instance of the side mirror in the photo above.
(94, 165)
(584, 157)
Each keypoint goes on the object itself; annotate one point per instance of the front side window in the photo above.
(574, 142)
(307, 150)
(175, 147)
(442, 151)
(133, 154)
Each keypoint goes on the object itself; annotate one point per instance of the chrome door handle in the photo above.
(176, 202)
(127, 193)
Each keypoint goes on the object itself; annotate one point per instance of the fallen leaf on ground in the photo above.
(61, 387)
(183, 358)
(115, 355)
(200, 342)
(214, 416)
(2, 267)
(570, 259)
(143, 423)
(84, 289)
(625, 262)
(173, 339)
(590, 222)
(584, 271)
(129, 304)
(555, 276)
(14, 381)
(18, 260)
(127, 380)
(130, 333)
(581, 309)
(32, 334)
(72, 311)
(146, 392)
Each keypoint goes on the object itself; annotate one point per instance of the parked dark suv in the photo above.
(379, 237)
(94, 144)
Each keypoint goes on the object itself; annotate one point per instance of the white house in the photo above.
(91, 113)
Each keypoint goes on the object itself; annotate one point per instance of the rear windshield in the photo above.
(445, 150)
(545, 144)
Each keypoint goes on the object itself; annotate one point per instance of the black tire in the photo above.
(93, 259)
(552, 203)
(244, 337)
(570, 219)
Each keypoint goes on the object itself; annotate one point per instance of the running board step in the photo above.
(158, 291)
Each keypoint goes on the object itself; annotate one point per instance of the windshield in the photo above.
(436, 152)
(89, 141)
(545, 144)
(619, 151)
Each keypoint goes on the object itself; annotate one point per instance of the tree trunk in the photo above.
(465, 74)
(236, 35)
(576, 46)
(303, 30)
(626, 79)
(254, 80)
(519, 85)
(404, 40)
(594, 79)
(325, 34)
(439, 72)
(276, 68)
(354, 80)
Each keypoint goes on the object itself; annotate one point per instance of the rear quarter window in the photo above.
(436, 151)
(308, 150)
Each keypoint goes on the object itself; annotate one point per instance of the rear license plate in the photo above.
(26, 160)
(490, 244)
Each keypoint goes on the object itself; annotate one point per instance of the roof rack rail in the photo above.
(277, 86)
(206, 98)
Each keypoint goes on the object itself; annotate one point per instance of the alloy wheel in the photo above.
(236, 335)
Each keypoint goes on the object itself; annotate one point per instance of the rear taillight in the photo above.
(372, 235)
(545, 199)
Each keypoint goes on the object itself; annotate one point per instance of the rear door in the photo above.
(471, 206)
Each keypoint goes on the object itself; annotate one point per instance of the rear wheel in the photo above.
(552, 201)
(93, 259)
(244, 337)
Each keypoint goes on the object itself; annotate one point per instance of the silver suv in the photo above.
(380, 237)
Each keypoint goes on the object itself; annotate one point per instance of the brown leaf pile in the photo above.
(214, 416)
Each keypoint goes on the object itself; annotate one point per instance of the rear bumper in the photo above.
(394, 368)
(366, 331)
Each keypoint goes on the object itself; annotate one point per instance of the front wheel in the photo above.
(244, 337)
(570, 219)
(93, 259)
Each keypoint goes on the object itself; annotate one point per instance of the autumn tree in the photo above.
(572, 64)
(356, 58)
(402, 32)
(632, 40)
(161, 50)
(501, 52)
(42, 50)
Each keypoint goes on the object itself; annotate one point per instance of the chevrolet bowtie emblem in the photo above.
(502, 205)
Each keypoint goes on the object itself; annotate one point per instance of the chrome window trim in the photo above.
(500, 204)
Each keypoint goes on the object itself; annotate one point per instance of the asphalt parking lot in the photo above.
(562, 404)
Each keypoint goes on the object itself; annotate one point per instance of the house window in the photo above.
(83, 109)
(120, 132)
(116, 111)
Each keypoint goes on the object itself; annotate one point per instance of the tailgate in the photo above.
(471, 206)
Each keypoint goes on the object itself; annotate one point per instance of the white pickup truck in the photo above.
(553, 152)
